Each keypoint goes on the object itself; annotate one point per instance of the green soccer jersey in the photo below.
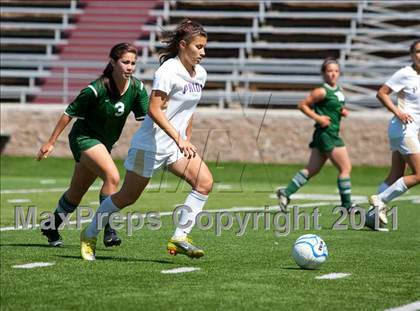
(331, 106)
(103, 117)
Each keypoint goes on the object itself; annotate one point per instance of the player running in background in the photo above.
(403, 133)
(101, 110)
(325, 105)
(164, 140)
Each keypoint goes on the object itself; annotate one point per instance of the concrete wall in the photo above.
(225, 135)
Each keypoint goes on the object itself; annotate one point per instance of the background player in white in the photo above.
(101, 110)
(164, 139)
(403, 132)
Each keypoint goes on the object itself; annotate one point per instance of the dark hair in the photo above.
(326, 62)
(186, 30)
(413, 45)
(116, 53)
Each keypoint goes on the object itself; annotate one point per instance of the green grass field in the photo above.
(250, 272)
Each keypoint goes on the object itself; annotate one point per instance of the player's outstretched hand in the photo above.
(45, 151)
(187, 148)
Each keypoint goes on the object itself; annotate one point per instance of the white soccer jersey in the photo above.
(406, 83)
(184, 93)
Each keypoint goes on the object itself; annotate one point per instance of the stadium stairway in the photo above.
(103, 24)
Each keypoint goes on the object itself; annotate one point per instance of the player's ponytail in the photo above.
(116, 53)
(186, 30)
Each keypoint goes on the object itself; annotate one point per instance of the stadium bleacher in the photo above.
(257, 49)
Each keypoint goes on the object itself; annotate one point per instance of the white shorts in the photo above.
(144, 163)
(405, 145)
(403, 138)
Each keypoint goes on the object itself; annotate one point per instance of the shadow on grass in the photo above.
(121, 259)
(62, 247)
(35, 245)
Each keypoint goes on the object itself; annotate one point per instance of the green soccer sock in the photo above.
(300, 179)
(64, 207)
(344, 188)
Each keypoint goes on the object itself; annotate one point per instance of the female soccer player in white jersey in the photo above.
(164, 140)
(403, 133)
(101, 110)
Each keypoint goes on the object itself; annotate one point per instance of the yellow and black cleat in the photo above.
(184, 246)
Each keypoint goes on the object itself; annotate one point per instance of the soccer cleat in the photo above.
(184, 246)
(370, 221)
(54, 238)
(110, 237)
(375, 201)
(87, 246)
(283, 199)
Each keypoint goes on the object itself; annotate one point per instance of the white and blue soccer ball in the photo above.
(310, 251)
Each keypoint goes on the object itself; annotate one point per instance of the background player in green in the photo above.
(325, 105)
(101, 110)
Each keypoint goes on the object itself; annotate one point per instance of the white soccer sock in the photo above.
(382, 187)
(106, 208)
(393, 191)
(195, 201)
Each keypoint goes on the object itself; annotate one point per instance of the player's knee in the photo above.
(112, 180)
(205, 185)
(345, 170)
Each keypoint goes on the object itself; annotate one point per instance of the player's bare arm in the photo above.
(158, 101)
(48, 147)
(306, 105)
(384, 97)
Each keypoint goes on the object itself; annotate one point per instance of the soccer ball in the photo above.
(310, 251)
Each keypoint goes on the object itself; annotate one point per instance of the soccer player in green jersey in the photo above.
(101, 110)
(325, 105)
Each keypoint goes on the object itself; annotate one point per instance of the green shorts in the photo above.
(80, 143)
(326, 141)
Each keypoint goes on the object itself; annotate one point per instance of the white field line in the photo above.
(47, 181)
(332, 276)
(233, 209)
(324, 197)
(34, 265)
(409, 307)
(18, 201)
(27, 191)
(333, 197)
(223, 187)
(93, 188)
(180, 270)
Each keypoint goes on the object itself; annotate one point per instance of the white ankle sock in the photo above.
(382, 187)
(393, 191)
(106, 208)
(196, 202)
